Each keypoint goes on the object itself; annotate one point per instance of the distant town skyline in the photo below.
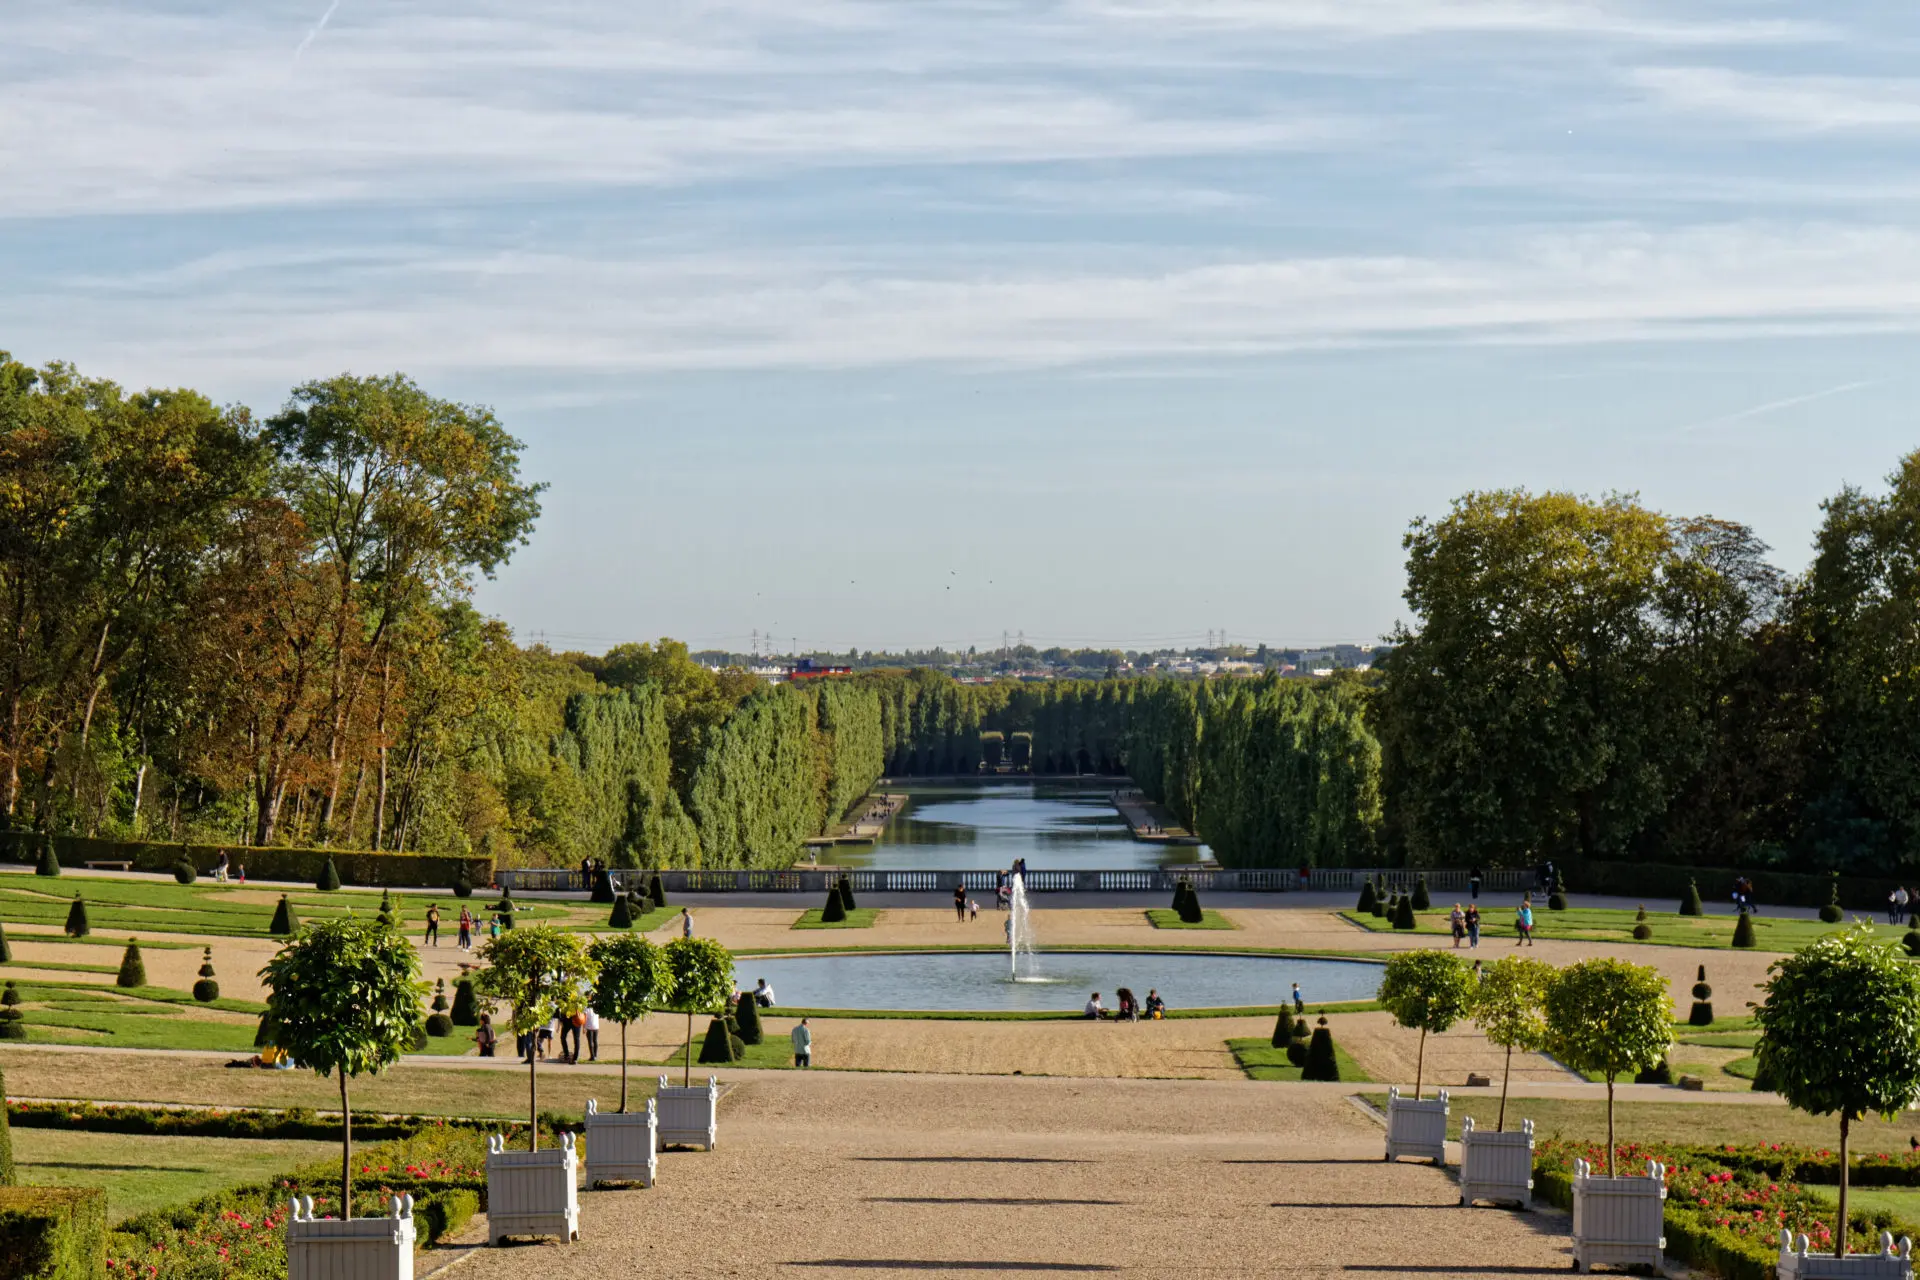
(897, 325)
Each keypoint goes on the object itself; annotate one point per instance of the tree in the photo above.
(1609, 1016)
(345, 996)
(1428, 991)
(635, 979)
(1509, 1008)
(543, 972)
(702, 979)
(1840, 1032)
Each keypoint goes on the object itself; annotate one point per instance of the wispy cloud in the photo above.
(1774, 406)
(1790, 104)
(317, 28)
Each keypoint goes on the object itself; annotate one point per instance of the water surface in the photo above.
(970, 826)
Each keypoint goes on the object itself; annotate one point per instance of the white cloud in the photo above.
(1379, 19)
(1788, 104)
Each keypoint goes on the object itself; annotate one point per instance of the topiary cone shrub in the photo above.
(6, 948)
(285, 922)
(602, 887)
(185, 872)
(1301, 1031)
(835, 909)
(77, 926)
(49, 863)
(206, 991)
(656, 890)
(1743, 931)
(1321, 1063)
(466, 1010)
(846, 892)
(1380, 904)
(13, 1023)
(438, 1023)
(1911, 942)
(1367, 903)
(386, 906)
(133, 970)
(1640, 916)
(622, 917)
(1403, 917)
(463, 883)
(329, 877)
(717, 1048)
(1190, 912)
(1831, 913)
(1690, 905)
(1180, 888)
(1283, 1030)
(1422, 900)
(1702, 1013)
(746, 1016)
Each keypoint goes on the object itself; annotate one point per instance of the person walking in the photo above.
(1523, 923)
(973, 910)
(1299, 1001)
(1896, 904)
(1473, 884)
(593, 1035)
(686, 923)
(493, 928)
(484, 1037)
(1458, 919)
(466, 929)
(220, 867)
(1473, 926)
(802, 1037)
(960, 903)
(433, 925)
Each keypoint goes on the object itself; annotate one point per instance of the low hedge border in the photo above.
(356, 866)
(53, 1233)
(298, 1123)
(1645, 881)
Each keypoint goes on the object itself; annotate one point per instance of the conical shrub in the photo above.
(285, 922)
(77, 926)
(1640, 916)
(622, 917)
(1190, 912)
(13, 1023)
(505, 914)
(846, 892)
(1301, 1031)
(1380, 904)
(184, 871)
(206, 991)
(717, 1048)
(1422, 900)
(386, 907)
(1367, 901)
(133, 970)
(602, 887)
(329, 877)
(463, 882)
(1321, 1064)
(1283, 1030)
(1743, 931)
(1403, 917)
(835, 909)
(49, 863)
(746, 1016)
(1690, 905)
(6, 948)
(466, 1009)
(1702, 1013)
(438, 1023)
(1831, 913)
(1181, 888)
(656, 890)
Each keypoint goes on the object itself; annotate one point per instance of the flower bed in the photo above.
(1725, 1206)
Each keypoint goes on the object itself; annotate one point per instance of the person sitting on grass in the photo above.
(1094, 1008)
(1129, 1010)
(763, 995)
(1156, 1007)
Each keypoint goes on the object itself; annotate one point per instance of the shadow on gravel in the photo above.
(1354, 1204)
(1013, 1200)
(968, 1160)
(920, 1264)
(1479, 1269)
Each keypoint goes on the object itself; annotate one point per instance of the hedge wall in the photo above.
(1647, 881)
(356, 866)
(53, 1233)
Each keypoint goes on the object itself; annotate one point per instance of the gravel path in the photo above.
(894, 1176)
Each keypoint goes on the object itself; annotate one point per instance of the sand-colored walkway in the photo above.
(832, 1174)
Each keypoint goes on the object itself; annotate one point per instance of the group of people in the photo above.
(467, 922)
(1902, 903)
(1127, 1008)
(1466, 924)
(964, 908)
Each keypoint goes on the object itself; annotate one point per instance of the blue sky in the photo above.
(1112, 321)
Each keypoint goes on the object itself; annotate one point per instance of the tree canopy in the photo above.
(1609, 1016)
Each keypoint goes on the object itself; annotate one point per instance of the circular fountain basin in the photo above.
(1051, 981)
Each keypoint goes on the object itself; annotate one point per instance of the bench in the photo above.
(109, 866)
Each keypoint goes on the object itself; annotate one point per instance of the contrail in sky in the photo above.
(1759, 409)
(318, 27)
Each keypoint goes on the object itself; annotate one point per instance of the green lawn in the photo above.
(142, 1172)
(858, 918)
(133, 1018)
(1261, 1061)
(1168, 918)
(772, 1051)
(1696, 1123)
(1594, 924)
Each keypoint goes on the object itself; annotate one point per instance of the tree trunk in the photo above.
(1500, 1125)
(1840, 1220)
(1420, 1064)
(346, 1152)
(1609, 1126)
(533, 1092)
(623, 1068)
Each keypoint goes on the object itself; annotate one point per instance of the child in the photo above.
(973, 911)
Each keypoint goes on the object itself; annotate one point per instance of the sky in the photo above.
(882, 324)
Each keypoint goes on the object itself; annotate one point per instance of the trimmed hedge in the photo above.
(362, 867)
(443, 1213)
(1862, 894)
(6, 1139)
(299, 1123)
(53, 1233)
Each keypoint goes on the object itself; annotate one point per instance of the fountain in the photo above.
(1020, 933)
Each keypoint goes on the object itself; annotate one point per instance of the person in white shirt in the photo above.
(763, 995)
(802, 1038)
(1094, 1008)
(593, 1034)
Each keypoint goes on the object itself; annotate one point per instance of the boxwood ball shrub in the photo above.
(13, 1023)
(329, 878)
(1301, 1031)
(185, 872)
(285, 922)
(834, 910)
(1640, 916)
(1660, 1072)
(1367, 901)
(746, 1016)
(77, 926)
(1691, 904)
(1403, 917)
(1422, 900)
(206, 991)
(1557, 900)
(1321, 1064)
(1743, 931)
(1642, 931)
(1701, 1014)
(49, 863)
(466, 1010)
(133, 970)
(1831, 913)
(438, 1022)
(1296, 1053)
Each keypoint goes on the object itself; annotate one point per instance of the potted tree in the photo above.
(1507, 1005)
(634, 979)
(702, 972)
(1840, 1033)
(344, 996)
(1429, 991)
(543, 972)
(1608, 1016)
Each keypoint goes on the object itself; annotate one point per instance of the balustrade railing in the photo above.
(804, 879)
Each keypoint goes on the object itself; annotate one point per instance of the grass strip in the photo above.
(858, 918)
(1168, 918)
(1261, 1061)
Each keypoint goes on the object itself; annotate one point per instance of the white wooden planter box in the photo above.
(689, 1114)
(532, 1193)
(350, 1249)
(620, 1146)
(1888, 1264)
(1619, 1221)
(1417, 1128)
(1496, 1166)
